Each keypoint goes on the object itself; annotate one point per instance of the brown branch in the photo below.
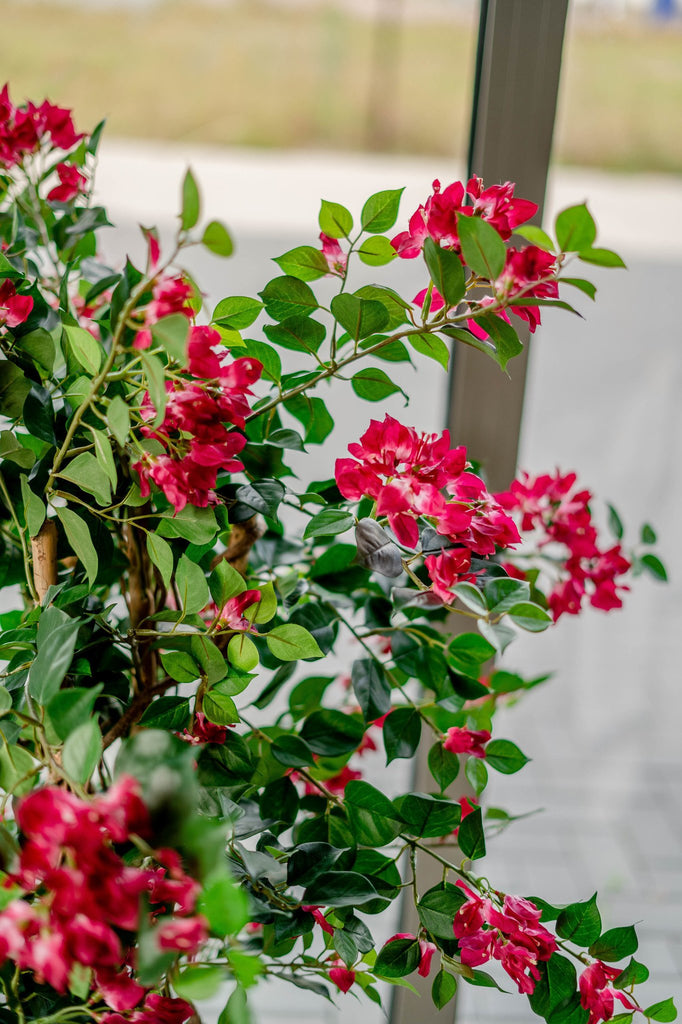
(242, 538)
(44, 551)
(137, 708)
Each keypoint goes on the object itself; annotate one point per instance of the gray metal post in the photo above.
(515, 92)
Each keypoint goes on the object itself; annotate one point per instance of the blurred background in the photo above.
(276, 104)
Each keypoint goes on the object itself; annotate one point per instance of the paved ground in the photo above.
(603, 398)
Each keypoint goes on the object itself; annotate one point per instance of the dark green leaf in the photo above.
(615, 944)
(438, 907)
(82, 751)
(14, 388)
(371, 687)
(78, 536)
(504, 756)
(332, 733)
(402, 732)
(557, 983)
(432, 347)
(471, 836)
(634, 974)
(426, 816)
(373, 817)
(446, 270)
(299, 333)
(580, 922)
(482, 248)
(360, 317)
(443, 765)
(69, 708)
(443, 988)
(655, 566)
(397, 958)
(166, 712)
(339, 889)
(329, 522)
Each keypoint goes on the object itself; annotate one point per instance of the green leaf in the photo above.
(217, 239)
(192, 585)
(191, 204)
(648, 534)
(16, 764)
(381, 210)
(530, 617)
(601, 258)
(56, 642)
(219, 708)
(332, 733)
(287, 296)
(82, 751)
(472, 597)
(437, 909)
(397, 959)
(401, 733)
(655, 567)
(467, 652)
(289, 642)
(471, 837)
(476, 774)
(242, 652)
(85, 349)
(328, 523)
(340, 889)
(166, 712)
(359, 317)
(161, 555)
(118, 418)
(104, 455)
(580, 922)
(615, 944)
(303, 262)
(198, 981)
(292, 751)
(34, 507)
(556, 984)
(482, 248)
(78, 536)
(615, 523)
(180, 666)
(663, 1012)
(446, 270)
(575, 229)
(536, 236)
(11, 450)
(634, 974)
(582, 285)
(504, 756)
(224, 904)
(86, 473)
(393, 303)
(225, 582)
(69, 708)
(431, 346)
(427, 816)
(443, 765)
(443, 988)
(371, 687)
(14, 387)
(172, 332)
(335, 220)
(237, 312)
(156, 384)
(505, 338)
(40, 347)
(300, 333)
(373, 817)
(5, 700)
(376, 251)
(372, 384)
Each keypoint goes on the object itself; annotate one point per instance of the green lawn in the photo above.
(250, 75)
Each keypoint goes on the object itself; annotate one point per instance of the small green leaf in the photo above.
(225, 582)
(446, 270)
(237, 312)
(34, 507)
(615, 523)
(471, 836)
(192, 585)
(381, 210)
(443, 765)
(219, 708)
(224, 904)
(482, 248)
(634, 974)
(180, 666)
(82, 751)
(654, 566)
(376, 251)
(438, 907)
(156, 384)
(602, 258)
(648, 534)
(397, 958)
(85, 349)
(504, 756)
(172, 332)
(118, 418)
(288, 296)
(191, 204)
(335, 220)
(373, 384)
(166, 712)
(443, 988)
(303, 262)
(664, 1012)
(536, 236)
(328, 523)
(242, 652)
(217, 239)
(428, 816)
(198, 981)
(87, 474)
(360, 317)
(161, 555)
(476, 774)
(530, 617)
(580, 922)
(78, 536)
(615, 944)
(431, 346)
(5, 700)
(371, 687)
(289, 642)
(401, 733)
(575, 229)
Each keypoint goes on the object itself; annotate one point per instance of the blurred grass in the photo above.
(248, 74)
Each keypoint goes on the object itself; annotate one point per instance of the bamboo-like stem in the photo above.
(44, 552)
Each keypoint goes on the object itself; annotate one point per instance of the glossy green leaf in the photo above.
(359, 317)
(303, 262)
(504, 756)
(85, 349)
(335, 220)
(430, 346)
(443, 765)
(373, 384)
(161, 555)
(289, 642)
(167, 712)
(437, 909)
(78, 536)
(374, 818)
(426, 816)
(471, 836)
(530, 617)
(14, 387)
(192, 585)
(237, 312)
(328, 523)
(401, 733)
(397, 958)
(288, 296)
(69, 708)
(443, 989)
(483, 250)
(34, 507)
(580, 922)
(242, 652)
(615, 944)
(446, 270)
(381, 210)
(86, 473)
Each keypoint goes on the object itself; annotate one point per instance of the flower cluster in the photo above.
(88, 910)
(406, 473)
(24, 130)
(169, 295)
(193, 433)
(513, 935)
(551, 506)
(597, 993)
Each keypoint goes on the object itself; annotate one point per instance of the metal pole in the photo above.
(514, 105)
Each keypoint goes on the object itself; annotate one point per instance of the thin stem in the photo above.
(22, 540)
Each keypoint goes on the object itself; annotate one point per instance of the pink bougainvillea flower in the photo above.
(319, 918)
(184, 934)
(597, 993)
(343, 977)
(437, 301)
(71, 184)
(231, 615)
(460, 740)
(447, 569)
(204, 731)
(337, 259)
(426, 951)
(14, 309)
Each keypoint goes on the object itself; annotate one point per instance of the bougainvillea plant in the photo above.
(183, 807)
